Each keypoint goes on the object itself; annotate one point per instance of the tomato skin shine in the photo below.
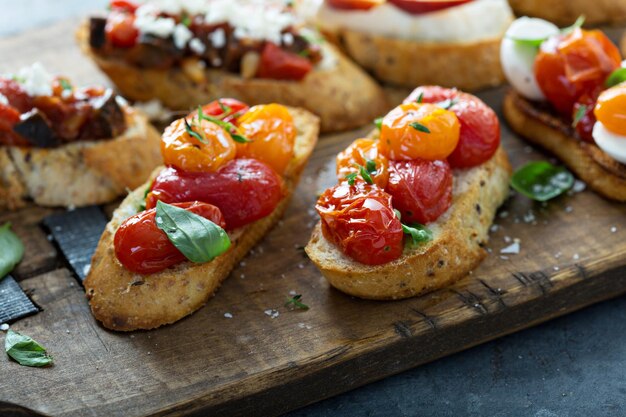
(610, 109)
(271, 129)
(183, 151)
(358, 153)
(401, 141)
(360, 220)
(421, 189)
(480, 128)
(244, 190)
(569, 66)
(143, 248)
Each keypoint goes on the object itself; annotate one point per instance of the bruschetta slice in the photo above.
(564, 12)
(566, 97)
(415, 199)
(259, 52)
(235, 166)
(61, 145)
(409, 43)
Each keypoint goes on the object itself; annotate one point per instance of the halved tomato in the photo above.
(426, 6)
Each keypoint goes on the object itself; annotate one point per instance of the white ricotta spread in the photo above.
(35, 80)
(470, 22)
(611, 143)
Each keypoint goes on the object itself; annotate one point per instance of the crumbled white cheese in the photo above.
(272, 313)
(197, 46)
(218, 38)
(288, 38)
(147, 22)
(182, 35)
(3, 99)
(35, 80)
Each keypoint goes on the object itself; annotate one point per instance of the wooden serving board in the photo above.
(573, 253)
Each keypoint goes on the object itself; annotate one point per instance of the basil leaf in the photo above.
(378, 123)
(419, 127)
(11, 250)
(199, 239)
(418, 233)
(25, 350)
(617, 77)
(542, 181)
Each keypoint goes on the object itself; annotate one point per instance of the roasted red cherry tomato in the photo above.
(16, 95)
(354, 4)
(426, 6)
(360, 220)
(9, 116)
(610, 109)
(120, 29)
(244, 190)
(583, 116)
(278, 64)
(358, 153)
(480, 129)
(569, 66)
(129, 6)
(226, 109)
(143, 248)
(418, 130)
(272, 133)
(421, 189)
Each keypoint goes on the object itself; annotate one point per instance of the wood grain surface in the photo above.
(573, 253)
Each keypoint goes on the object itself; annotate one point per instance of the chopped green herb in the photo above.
(191, 132)
(296, 303)
(231, 128)
(25, 350)
(447, 103)
(11, 250)
(199, 239)
(365, 175)
(617, 77)
(419, 127)
(378, 122)
(65, 84)
(370, 166)
(580, 113)
(225, 109)
(186, 20)
(542, 181)
(420, 98)
(351, 178)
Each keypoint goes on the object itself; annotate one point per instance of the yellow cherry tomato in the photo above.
(187, 152)
(358, 153)
(272, 133)
(610, 109)
(416, 130)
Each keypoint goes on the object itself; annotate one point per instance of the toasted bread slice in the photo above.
(343, 96)
(459, 236)
(80, 173)
(397, 61)
(126, 301)
(564, 13)
(602, 174)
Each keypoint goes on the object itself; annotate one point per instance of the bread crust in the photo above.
(397, 61)
(565, 12)
(602, 174)
(80, 173)
(344, 97)
(456, 249)
(125, 301)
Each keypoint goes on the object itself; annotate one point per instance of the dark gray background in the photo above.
(573, 366)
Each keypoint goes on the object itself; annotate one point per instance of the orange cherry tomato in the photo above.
(415, 130)
(188, 153)
(358, 153)
(569, 66)
(610, 109)
(272, 133)
(354, 4)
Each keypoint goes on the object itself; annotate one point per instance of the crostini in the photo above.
(66, 146)
(232, 166)
(560, 100)
(415, 199)
(408, 43)
(188, 53)
(562, 12)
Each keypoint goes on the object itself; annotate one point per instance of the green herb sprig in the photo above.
(25, 350)
(580, 114)
(419, 127)
(366, 172)
(296, 303)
